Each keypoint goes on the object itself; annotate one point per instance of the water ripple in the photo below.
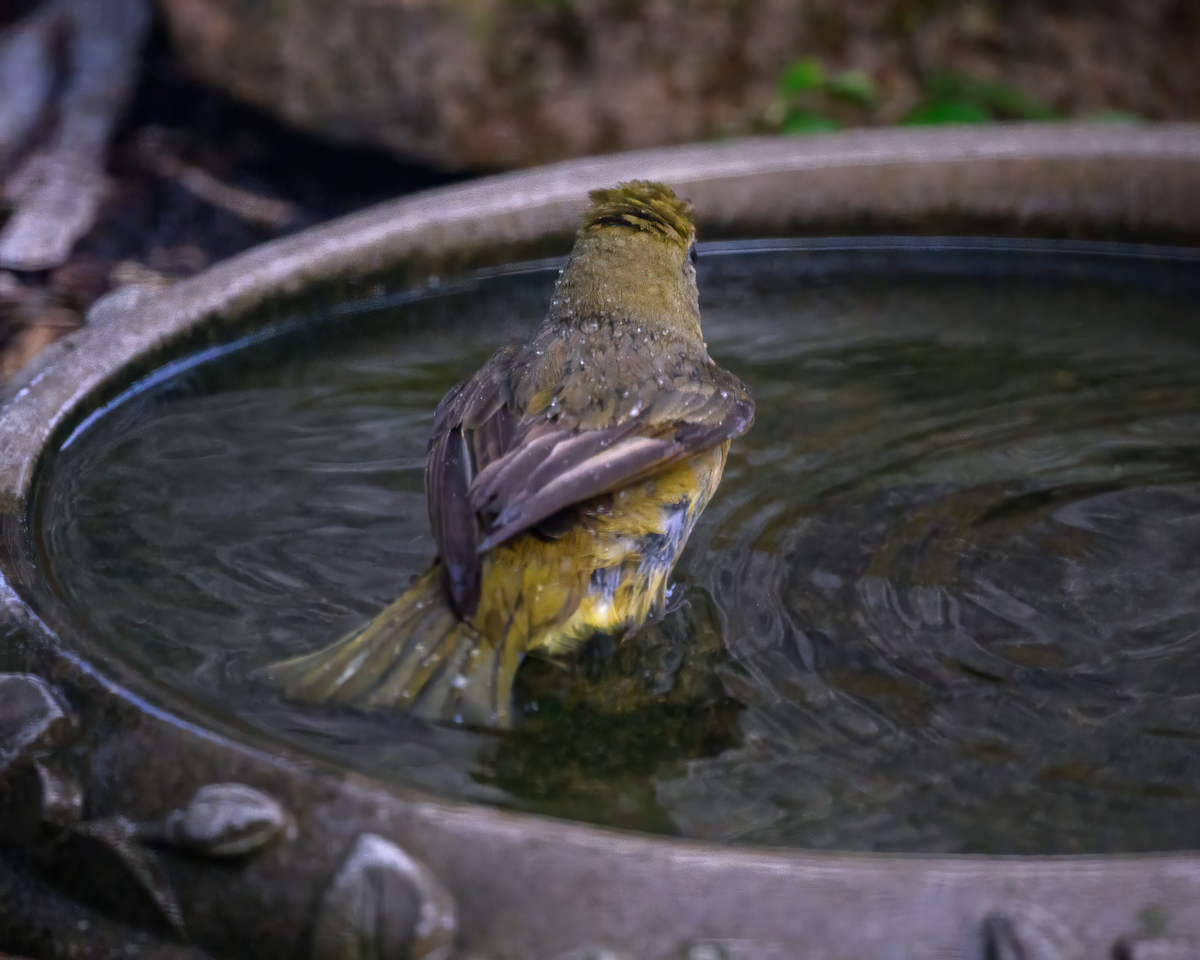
(951, 571)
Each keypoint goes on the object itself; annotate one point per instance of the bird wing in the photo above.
(473, 426)
(555, 463)
(492, 473)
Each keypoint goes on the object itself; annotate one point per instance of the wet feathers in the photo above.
(562, 479)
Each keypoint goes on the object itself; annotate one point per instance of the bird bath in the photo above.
(941, 609)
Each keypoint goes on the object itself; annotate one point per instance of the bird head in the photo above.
(633, 258)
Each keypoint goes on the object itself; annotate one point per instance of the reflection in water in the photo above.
(945, 598)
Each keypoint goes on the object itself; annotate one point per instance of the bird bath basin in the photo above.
(943, 607)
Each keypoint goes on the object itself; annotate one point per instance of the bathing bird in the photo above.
(562, 479)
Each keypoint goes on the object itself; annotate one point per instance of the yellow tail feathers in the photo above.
(416, 656)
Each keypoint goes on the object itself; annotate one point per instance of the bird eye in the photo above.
(692, 255)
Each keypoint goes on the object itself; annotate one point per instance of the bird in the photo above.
(563, 480)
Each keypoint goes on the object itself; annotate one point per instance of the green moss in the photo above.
(802, 122)
(940, 114)
(807, 100)
(951, 98)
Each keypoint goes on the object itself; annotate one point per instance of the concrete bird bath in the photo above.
(132, 816)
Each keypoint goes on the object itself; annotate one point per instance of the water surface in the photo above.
(946, 598)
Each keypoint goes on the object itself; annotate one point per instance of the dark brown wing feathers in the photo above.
(472, 427)
(607, 470)
(491, 474)
(507, 472)
(595, 462)
(453, 519)
(555, 450)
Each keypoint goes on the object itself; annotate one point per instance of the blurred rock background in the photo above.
(498, 83)
(139, 143)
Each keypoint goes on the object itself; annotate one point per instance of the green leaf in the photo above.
(802, 122)
(855, 86)
(1000, 101)
(807, 74)
(948, 112)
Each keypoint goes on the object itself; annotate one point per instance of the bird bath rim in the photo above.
(517, 882)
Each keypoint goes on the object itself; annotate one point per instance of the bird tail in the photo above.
(417, 656)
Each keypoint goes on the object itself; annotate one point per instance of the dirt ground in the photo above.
(195, 178)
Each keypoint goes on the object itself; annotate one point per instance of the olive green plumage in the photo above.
(643, 205)
(563, 479)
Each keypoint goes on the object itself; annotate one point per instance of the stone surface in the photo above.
(58, 188)
(384, 905)
(1157, 949)
(32, 716)
(103, 863)
(61, 797)
(500, 83)
(226, 820)
(38, 921)
(1028, 931)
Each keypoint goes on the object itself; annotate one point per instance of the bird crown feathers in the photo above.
(643, 205)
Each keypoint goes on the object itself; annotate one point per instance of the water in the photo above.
(946, 598)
